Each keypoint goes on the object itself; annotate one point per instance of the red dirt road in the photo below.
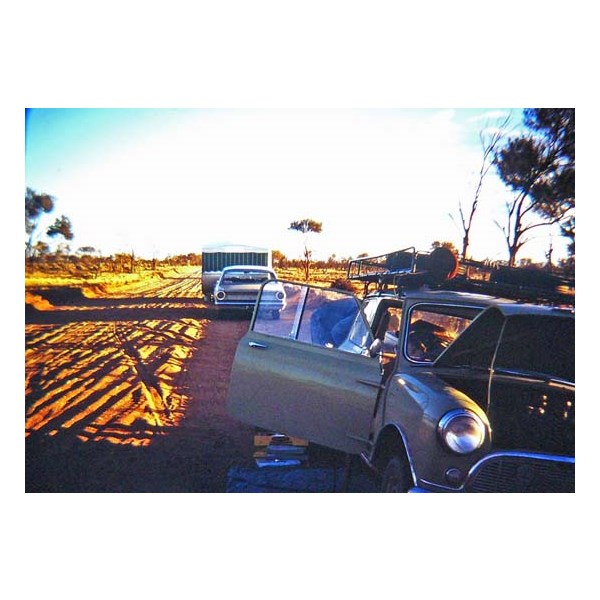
(125, 389)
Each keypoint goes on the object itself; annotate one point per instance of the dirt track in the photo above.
(125, 389)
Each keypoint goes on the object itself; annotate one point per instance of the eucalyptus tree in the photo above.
(61, 226)
(305, 227)
(489, 138)
(539, 166)
(35, 206)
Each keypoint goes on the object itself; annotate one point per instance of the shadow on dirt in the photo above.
(171, 463)
(77, 450)
(113, 310)
(61, 296)
(121, 309)
(75, 296)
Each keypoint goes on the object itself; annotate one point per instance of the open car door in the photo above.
(305, 370)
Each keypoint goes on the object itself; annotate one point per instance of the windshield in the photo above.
(433, 327)
(476, 346)
(246, 276)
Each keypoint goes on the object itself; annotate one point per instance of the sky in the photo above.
(160, 182)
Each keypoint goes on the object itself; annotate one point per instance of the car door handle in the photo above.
(257, 345)
(373, 384)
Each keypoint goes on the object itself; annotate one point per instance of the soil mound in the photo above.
(60, 295)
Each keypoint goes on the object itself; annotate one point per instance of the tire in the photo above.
(396, 476)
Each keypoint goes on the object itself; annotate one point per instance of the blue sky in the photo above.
(168, 181)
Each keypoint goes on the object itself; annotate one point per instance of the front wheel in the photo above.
(396, 475)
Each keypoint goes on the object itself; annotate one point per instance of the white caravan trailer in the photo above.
(216, 258)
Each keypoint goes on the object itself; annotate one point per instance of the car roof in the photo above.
(506, 306)
(445, 296)
(535, 309)
(456, 296)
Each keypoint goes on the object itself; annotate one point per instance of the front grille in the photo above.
(521, 473)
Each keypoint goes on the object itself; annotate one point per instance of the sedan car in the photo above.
(238, 288)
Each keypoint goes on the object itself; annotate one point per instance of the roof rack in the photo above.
(440, 269)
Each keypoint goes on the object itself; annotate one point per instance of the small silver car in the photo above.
(238, 288)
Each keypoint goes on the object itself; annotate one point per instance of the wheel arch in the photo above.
(391, 442)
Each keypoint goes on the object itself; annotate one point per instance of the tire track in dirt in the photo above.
(177, 286)
(156, 395)
(119, 403)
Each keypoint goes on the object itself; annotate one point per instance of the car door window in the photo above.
(286, 323)
(317, 316)
(388, 329)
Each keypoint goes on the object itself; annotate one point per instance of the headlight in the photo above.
(280, 295)
(462, 431)
(220, 295)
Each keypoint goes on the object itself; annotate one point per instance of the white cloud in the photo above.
(492, 115)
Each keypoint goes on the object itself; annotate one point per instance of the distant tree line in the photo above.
(333, 262)
(88, 262)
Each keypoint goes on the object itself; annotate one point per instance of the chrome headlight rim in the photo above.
(473, 436)
(220, 295)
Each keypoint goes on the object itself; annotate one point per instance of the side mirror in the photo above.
(376, 348)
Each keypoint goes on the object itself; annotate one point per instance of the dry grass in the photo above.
(107, 280)
(109, 283)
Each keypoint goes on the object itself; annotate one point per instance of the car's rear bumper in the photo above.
(235, 305)
(247, 306)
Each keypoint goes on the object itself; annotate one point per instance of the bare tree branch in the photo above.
(489, 143)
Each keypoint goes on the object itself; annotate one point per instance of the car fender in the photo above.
(408, 416)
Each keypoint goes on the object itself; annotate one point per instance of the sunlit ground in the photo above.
(113, 381)
(106, 360)
(114, 378)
